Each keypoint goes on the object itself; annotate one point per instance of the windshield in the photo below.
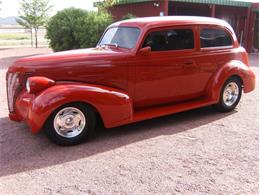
(125, 37)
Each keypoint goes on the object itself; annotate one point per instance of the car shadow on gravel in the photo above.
(22, 151)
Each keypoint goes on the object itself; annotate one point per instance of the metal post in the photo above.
(213, 11)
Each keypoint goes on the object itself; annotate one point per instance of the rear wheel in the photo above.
(230, 95)
(71, 124)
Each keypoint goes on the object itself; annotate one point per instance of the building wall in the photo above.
(236, 17)
(256, 32)
(189, 9)
(253, 32)
(139, 9)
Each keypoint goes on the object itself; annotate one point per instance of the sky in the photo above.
(10, 7)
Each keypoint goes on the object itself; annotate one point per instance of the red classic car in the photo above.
(141, 68)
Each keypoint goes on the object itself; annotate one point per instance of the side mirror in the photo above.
(145, 51)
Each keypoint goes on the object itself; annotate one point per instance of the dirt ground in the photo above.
(199, 151)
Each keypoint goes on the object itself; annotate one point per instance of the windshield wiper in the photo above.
(109, 44)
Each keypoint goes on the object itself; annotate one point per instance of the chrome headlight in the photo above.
(35, 84)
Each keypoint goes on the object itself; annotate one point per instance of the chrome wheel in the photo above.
(230, 93)
(69, 122)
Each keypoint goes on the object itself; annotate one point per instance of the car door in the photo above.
(169, 73)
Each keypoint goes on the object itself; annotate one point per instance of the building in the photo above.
(242, 16)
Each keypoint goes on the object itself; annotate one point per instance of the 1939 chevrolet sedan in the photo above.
(141, 68)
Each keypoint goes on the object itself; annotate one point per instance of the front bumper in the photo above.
(15, 117)
(23, 107)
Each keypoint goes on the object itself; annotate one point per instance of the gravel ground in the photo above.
(199, 151)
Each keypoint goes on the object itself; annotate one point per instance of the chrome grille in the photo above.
(12, 87)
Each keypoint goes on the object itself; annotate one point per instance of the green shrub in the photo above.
(91, 27)
(74, 28)
(128, 16)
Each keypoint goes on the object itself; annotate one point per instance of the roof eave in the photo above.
(216, 2)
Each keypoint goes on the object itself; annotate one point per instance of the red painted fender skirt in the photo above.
(113, 105)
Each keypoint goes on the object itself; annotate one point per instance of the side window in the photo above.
(211, 37)
(176, 39)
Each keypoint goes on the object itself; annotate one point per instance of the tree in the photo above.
(104, 5)
(77, 28)
(23, 22)
(33, 15)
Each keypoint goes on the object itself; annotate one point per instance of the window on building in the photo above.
(211, 37)
(178, 39)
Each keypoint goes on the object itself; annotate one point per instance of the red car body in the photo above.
(128, 85)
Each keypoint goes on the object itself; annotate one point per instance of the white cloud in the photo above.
(10, 7)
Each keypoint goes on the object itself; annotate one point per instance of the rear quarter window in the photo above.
(213, 37)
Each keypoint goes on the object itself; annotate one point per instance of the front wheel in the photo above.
(230, 95)
(71, 124)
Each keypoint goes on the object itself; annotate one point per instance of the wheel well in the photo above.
(239, 78)
(98, 116)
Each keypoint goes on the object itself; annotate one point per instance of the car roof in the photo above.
(160, 21)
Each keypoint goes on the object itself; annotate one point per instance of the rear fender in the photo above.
(233, 68)
(113, 105)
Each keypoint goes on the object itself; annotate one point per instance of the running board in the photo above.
(170, 109)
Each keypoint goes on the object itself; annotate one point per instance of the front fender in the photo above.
(112, 104)
(233, 68)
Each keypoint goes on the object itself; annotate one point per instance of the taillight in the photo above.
(12, 87)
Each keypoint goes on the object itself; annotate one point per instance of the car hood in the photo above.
(96, 65)
(73, 57)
